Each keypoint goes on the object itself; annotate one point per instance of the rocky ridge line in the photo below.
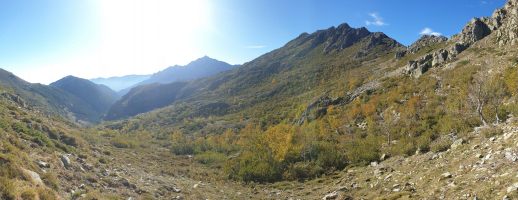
(503, 23)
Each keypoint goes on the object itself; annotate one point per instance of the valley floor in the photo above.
(472, 168)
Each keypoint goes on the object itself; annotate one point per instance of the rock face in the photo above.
(505, 23)
(476, 30)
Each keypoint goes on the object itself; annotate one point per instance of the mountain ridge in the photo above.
(99, 97)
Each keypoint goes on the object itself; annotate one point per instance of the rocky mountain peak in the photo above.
(335, 39)
(342, 37)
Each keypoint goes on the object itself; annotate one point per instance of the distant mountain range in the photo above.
(200, 68)
(119, 83)
(164, 87)
(88, 101)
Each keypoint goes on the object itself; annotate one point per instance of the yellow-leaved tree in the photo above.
(279, 139)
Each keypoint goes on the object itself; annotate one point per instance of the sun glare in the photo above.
(156, 32)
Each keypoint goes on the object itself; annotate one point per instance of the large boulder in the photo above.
(66, 161)
(440, 57)
(418, 67)
(33, 177)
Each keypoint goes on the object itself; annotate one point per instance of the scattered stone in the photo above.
(512, 188)
(332, 195)
(446, 175)
(383, 157)
(511, 156)
(457, 143)
(479, 156)
(105, 172)
(66, 161)
(374, 164)
(43, 164)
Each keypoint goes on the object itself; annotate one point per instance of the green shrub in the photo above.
(45, 194)
(363, 151)
(302, 171)
(122, 142)
(7, 189)
(28, 194)
(254, 167)
(491, 131)
(405, 146)
(51, 180)
(210, 157)
(440, 145)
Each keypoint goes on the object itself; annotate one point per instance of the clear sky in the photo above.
(44, 40)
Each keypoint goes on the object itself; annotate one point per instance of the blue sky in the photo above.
(44, 40)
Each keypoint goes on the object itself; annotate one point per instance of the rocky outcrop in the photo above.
(476, 30)
(318, 107)
(418, 67)
(503, 25)
(426, 41)
(400, 54)
(15, 98)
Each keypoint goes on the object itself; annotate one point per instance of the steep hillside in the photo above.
(145, 98)
(121, 82)
(98, 97)
(49, 99)
(31, 145)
